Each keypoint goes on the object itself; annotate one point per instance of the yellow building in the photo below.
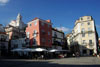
(85, 34)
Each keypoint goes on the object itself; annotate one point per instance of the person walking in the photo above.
(77, 54)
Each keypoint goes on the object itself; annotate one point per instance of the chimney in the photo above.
(49, 21)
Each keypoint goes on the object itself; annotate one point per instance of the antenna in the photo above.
(61, 27)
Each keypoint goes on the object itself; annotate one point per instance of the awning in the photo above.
(29, 49)
(56, 50)
(40, 49)
(53, 50)
(65, 50)
(17, 49)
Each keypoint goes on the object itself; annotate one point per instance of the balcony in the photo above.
(84, 44)
(2, 40)
(90, 45)
(55, 36)
(89, 31)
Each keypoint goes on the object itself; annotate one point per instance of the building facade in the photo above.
(99, 47)
(85, 36)
(69, 39)
(58, 40)
(18, 23)
(16, 28)
(39, 32)
(3, 41)
(16, 31)
(18, 43)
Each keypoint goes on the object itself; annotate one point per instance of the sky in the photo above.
(62, 13)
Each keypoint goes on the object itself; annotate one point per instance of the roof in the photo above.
(48, 21)
(58, 30)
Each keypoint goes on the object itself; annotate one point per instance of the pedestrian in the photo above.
(73, 55)
(77, 54)
(42, 56)
(36, 56)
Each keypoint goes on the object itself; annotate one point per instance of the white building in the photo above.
(18, 43)
(69, 39)
(3, 41)
(85, 35)
(16, 31)
(18, 22)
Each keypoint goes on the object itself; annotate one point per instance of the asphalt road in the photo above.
(64, 62)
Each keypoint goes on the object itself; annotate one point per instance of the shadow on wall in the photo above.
(16, 63)
(81, 49)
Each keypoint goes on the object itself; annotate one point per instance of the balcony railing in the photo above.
(2, 40)
(88, 44)
(87, 31)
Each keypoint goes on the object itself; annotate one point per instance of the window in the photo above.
(81, 18)
(2, 36)
(27, 34)
(15, 45)
(83, 34)
(89, 29)
(35, 33)
(88, 17)
(48, 33)
(90, 41)
(55, 35)
(88, 23)
(48, 40)
(62, 35)
(35, 23)
(43, 40)
(42, 23)
(89, 34)
(23, 45)
(30, 24)
(43, 32)
(82, 24)
(34, 41)
(83, 41)
(83, 30)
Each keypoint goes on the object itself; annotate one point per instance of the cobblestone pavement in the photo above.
(64, 62)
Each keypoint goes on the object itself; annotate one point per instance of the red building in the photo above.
(39, 32)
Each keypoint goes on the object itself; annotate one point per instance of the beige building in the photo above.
(69, 39)
(85, 35)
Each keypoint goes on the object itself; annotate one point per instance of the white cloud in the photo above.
(64, 29)
(4, 2)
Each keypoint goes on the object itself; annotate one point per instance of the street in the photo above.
(64, 62)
